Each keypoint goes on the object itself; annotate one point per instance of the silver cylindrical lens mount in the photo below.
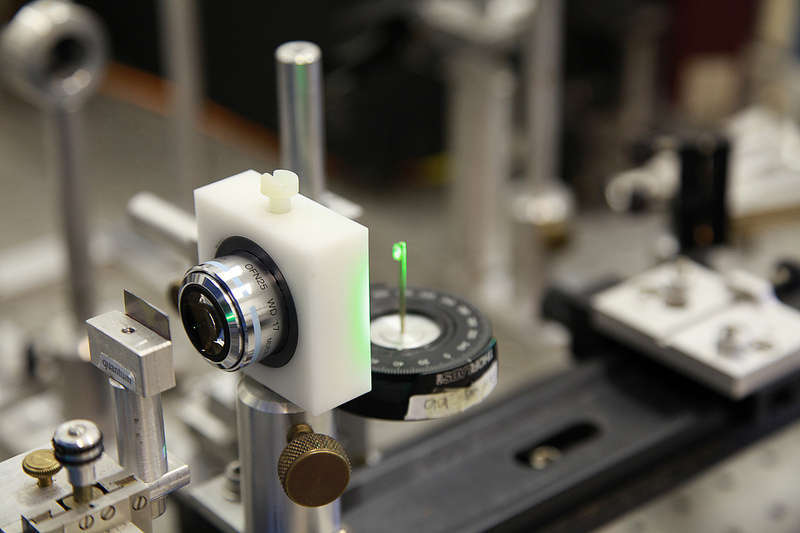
(233, 310)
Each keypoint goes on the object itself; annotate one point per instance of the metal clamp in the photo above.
(135, 351)
(134, 348)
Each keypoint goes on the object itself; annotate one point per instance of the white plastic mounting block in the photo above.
(324, 258)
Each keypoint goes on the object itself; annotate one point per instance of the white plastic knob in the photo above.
(280, 186)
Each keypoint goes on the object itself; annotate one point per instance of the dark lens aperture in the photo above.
(205, 324)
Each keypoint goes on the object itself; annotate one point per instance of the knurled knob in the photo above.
(313, 469)
(42, 465)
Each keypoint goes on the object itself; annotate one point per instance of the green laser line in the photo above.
(399, 255)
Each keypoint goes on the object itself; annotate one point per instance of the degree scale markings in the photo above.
(462, 331)
(445, 362)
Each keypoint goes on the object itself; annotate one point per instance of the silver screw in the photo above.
(675, 291)
(78, 436)
(233, 490)
(108, 513)
(543, 456)
(728, 342)
(86, 522)
(762, 345)
(139, 503)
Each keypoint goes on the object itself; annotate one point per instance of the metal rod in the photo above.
(302, 123)
(180, 52)
(64, 132)
(263, 420)
(160, 220)
(83, 494)
(141, 443)
(480, 92)
(543, 93)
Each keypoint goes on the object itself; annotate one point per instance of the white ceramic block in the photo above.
(324, 258)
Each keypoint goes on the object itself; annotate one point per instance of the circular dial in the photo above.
(443, 363)
(385, 331)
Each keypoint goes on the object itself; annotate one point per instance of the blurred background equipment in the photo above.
(587, 322)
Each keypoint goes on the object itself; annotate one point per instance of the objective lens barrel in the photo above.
(233, 311)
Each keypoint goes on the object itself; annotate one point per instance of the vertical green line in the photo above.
(399, 255)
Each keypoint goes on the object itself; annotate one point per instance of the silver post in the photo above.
(64, 132)
(548, 204)
(54, 53)
(543, 93)
(162, 221)
(141, 444)
(480, 92)
(180, 51)
(302, 123)
(542, 209)
(263, 420)
(140, 433)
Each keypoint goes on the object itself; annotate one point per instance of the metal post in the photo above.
(180, 52)
(141, 443)
(162, 221)
(63, 130)
(54, 54)
(479, 121)
(302, 123)
(543, 93)
(542, 209)
(64, 133)
(263, 420)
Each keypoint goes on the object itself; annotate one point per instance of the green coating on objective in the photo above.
(399, 255)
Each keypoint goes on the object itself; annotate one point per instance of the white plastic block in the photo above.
(324, 258)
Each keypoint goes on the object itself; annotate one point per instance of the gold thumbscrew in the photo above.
(42, 465)
(314, 469)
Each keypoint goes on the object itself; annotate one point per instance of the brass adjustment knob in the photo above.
(42, 465)
(313, 469)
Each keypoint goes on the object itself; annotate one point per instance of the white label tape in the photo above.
(452, 401)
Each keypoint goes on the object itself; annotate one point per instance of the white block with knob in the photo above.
(324, 259)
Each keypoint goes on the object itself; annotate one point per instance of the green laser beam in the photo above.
(399, 255)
